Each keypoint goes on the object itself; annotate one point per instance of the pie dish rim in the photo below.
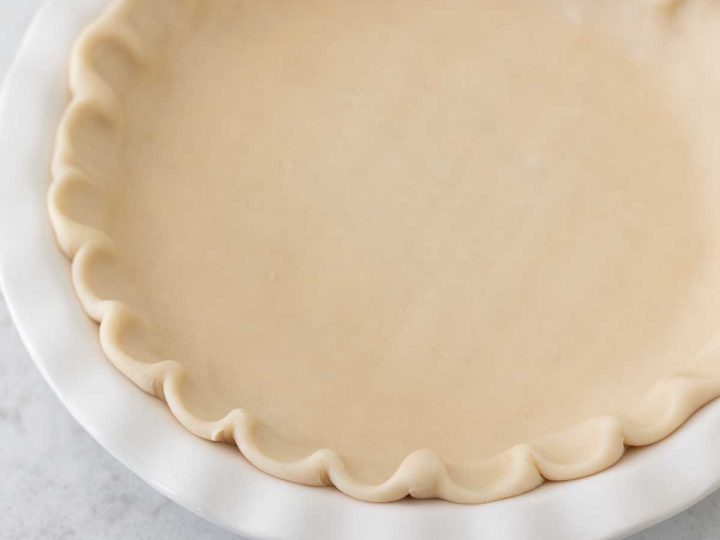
(38, 291)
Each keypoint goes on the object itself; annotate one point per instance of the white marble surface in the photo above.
(56, 482)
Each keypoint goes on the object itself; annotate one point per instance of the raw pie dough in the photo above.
(446, 248)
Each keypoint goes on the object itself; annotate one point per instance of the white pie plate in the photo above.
(213, 480)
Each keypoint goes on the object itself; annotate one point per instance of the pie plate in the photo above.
(213, 480)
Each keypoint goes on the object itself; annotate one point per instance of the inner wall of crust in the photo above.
(380, 228)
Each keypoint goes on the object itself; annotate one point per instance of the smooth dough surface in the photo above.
(473, 232)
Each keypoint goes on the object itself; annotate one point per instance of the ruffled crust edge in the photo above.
(582, 450)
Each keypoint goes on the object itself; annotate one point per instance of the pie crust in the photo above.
(448, 249)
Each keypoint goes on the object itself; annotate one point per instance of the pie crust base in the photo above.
(397, 254)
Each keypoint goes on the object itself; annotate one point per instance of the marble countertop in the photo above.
(56, 482)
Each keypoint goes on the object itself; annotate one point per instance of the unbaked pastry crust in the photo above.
(106, 57)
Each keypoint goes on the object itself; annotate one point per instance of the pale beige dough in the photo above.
(460, 226)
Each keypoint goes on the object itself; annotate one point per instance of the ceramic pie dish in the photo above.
(214, 481)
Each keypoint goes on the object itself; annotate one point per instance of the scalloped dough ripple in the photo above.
(445, 249)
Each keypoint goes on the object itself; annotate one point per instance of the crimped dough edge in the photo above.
(582, 450)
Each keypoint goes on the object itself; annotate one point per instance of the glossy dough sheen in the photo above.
(446, 249)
